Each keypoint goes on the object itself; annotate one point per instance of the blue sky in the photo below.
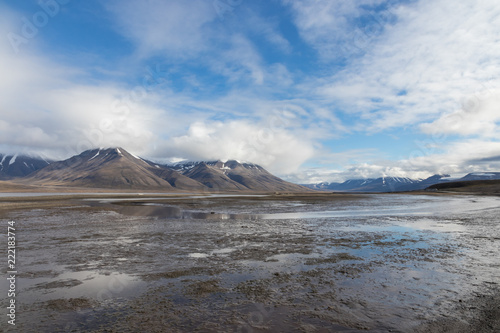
(317, 90)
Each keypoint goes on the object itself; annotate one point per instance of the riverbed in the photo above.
(266, 263)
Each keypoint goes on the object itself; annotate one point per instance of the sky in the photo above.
(312, 90)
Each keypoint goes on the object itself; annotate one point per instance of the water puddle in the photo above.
(83, 284)
(198, 255)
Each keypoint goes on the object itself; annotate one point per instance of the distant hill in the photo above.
(13, 166)
(398, 184)
(491, 186)
(323, 186)
(382, 184)
(115, 168)
(481, 176)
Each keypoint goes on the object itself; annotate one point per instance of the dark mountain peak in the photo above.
(107, 155)
(101, 168)
(234, 175)
(233, 164)
(105, 151)
(20, 165)
(185, 166)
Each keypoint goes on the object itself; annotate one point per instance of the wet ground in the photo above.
(376, 263)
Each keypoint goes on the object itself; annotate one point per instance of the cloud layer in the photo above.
(291, 85)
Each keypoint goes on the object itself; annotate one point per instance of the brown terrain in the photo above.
(116, 169)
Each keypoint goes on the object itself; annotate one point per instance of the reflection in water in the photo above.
(394, 206)
(173, 212)
(70, 284)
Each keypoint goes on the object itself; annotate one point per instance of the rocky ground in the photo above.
(329, 263)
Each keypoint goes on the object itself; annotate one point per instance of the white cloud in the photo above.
(459, 156)
(44, 109)
(327, 25)
(432, 63)
(177, 30)
(455, 158)
(357, 171)
(420, 67)
(268, 29)
(478, 116)
(173, 28)
(63, 117)
(269, 145)
(240, 62)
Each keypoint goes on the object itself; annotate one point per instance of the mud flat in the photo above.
(263, 263)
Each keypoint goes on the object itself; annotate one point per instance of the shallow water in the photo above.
(389, 205)
(237, 264)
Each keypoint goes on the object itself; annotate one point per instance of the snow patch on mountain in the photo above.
(95, 155)
(13, 159)
(137, 157)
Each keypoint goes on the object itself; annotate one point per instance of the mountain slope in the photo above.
(175, 179)
(212, 177)
(235, 176)
(12, 166)
(102, 168)
(255, 176)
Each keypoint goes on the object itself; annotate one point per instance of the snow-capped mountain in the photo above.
(382, 184)
(481, 176)
(185, 166)
(234, 175)
(108, 168)
(323, 186)
(117, 168)
(12, 166)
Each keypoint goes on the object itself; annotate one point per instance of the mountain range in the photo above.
(397, 184)
(115, 168)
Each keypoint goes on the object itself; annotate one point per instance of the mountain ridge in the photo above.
(19, 165)
(398, 184)
(107, 168)
(235, 174)
(116, 168)
(387, 184)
